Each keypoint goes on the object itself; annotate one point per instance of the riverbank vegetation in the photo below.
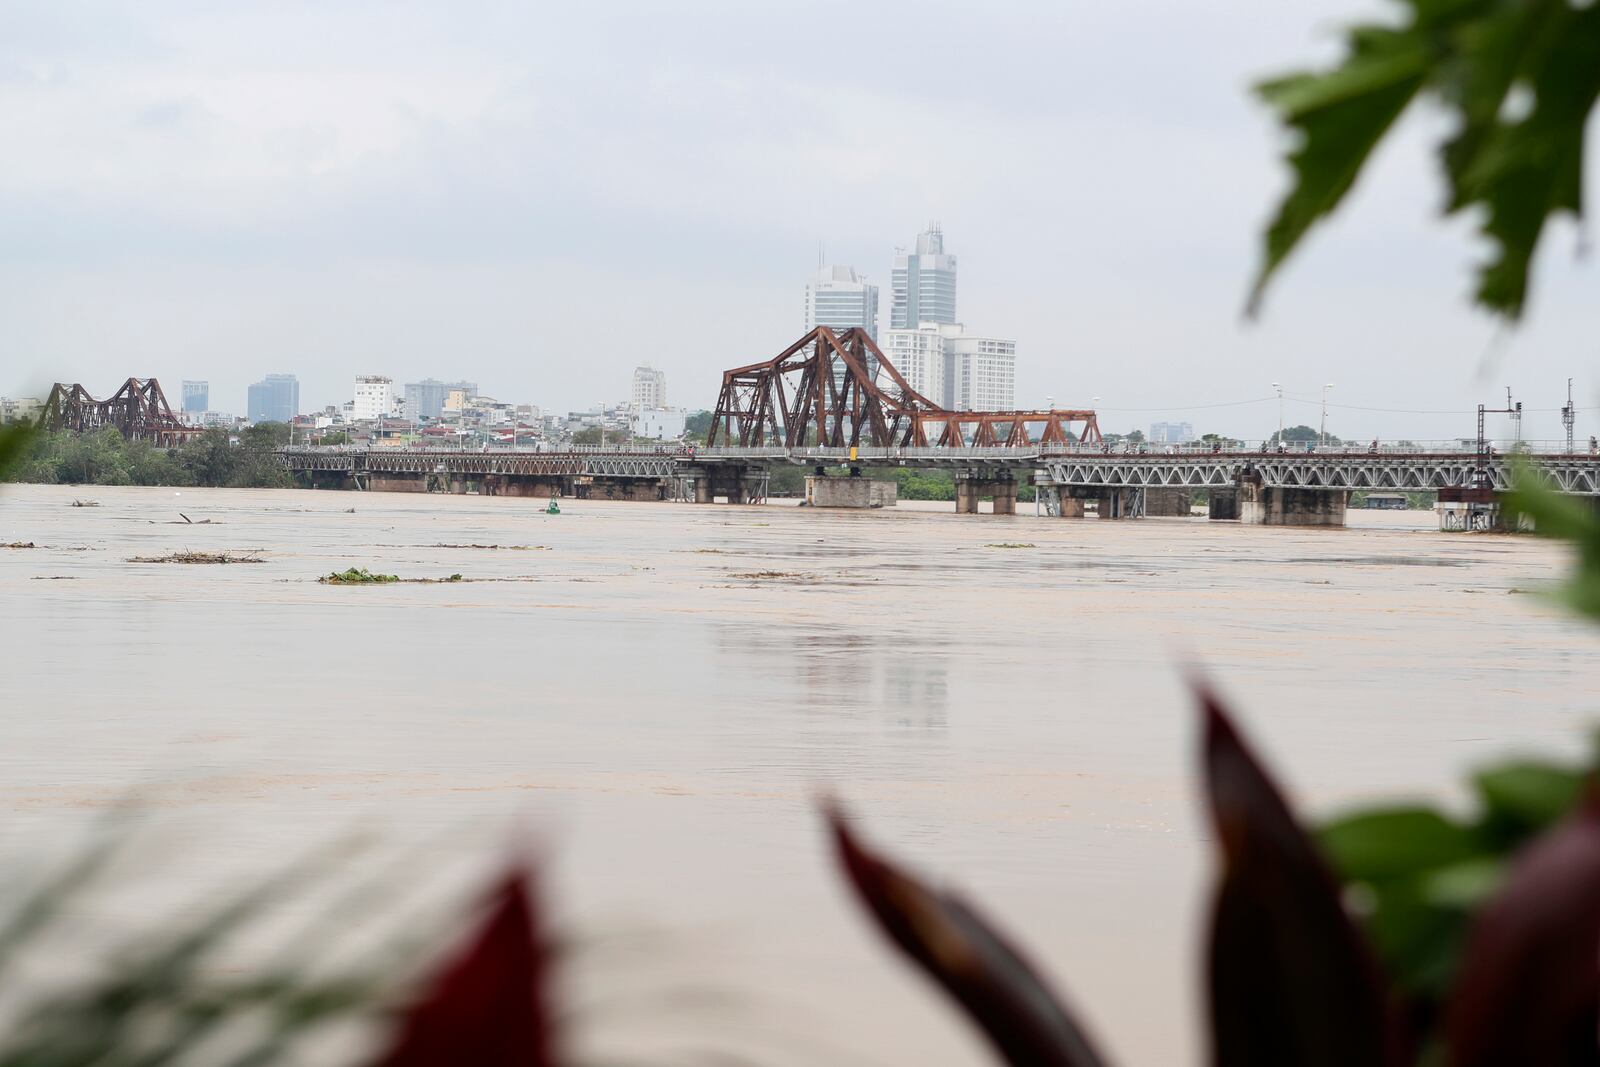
(105, 457)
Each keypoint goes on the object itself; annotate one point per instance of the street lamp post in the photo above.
(1279, 388)
(1322, 431)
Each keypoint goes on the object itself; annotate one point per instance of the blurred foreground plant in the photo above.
(1519, 77)
(1394, 937)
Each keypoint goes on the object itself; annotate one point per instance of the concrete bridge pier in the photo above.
(1261, 505)
(971, 486)
(1223, 504)
(729, 480)
(1170, 502)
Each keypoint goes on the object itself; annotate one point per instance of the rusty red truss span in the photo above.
(139, 410)
(839, 390)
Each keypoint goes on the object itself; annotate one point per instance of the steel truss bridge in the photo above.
(839, 390)
(1386, 469)
(139, 409)
(593, 463)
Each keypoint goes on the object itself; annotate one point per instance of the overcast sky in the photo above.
(538, 197)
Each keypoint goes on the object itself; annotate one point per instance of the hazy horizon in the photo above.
(540, 201)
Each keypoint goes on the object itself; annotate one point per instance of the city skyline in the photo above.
(1115, 242)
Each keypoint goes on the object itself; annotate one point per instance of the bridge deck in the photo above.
(1342, 469)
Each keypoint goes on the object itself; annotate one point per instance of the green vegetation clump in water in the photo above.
(357, 576)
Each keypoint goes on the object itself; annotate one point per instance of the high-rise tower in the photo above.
(839, 298)
(924, 283)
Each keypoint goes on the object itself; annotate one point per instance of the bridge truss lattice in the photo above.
(839, 390)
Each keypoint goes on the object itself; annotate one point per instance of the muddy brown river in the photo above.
(655, 694)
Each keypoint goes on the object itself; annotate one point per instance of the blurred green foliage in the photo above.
(1518, 79)
(1566, 518)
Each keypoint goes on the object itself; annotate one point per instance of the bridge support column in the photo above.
(1117, 504)
(971, 486)
(966, 496)
(1261, 505)
(1005, 497)
(1222, 503)
(1167, 503)
(702, 490)
(1071, 507)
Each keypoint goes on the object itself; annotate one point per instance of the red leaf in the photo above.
(489, 1006)
(1528, 989)
(1002, 993)
(1292, 981)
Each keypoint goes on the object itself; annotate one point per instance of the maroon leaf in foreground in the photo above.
(1528, 989)
(986, 976)
(489, 1006)
(1291, 979)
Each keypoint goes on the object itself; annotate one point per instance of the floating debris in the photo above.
(54, 578)
(197, 557)
(1012, 544)
(770, 576)
(508, 548)
(362, 576)
(86, 503)
(20, 544)
(187, 521)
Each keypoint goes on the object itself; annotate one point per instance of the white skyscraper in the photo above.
(924, 283)
(374, 398)
(649, 388)
(954, 369)
(982, 372)
(839, 298)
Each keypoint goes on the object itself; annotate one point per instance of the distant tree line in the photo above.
(107, 458)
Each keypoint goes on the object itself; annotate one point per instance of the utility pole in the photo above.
(1279, 388)
(1515, 411)
(1322, 432)
(1569, 416)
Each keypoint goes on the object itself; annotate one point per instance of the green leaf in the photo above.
(1463, 885)
(1417, 939)
(1528, 795)
(1340, 116)
(1569, 519)
(1522, 169)
(1520, 78)
(1375, 846)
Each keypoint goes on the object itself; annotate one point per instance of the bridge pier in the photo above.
(1167, 503)
(1222, 504)
(1263, 505)
(740, 484)
(971, 486)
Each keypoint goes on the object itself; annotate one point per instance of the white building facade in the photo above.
(374, 398)
(840, 299)
(649, 389)
(982, 372)
(659, 424)
(919, 357)
(954, 369)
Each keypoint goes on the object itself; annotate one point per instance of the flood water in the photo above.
(658, 693)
